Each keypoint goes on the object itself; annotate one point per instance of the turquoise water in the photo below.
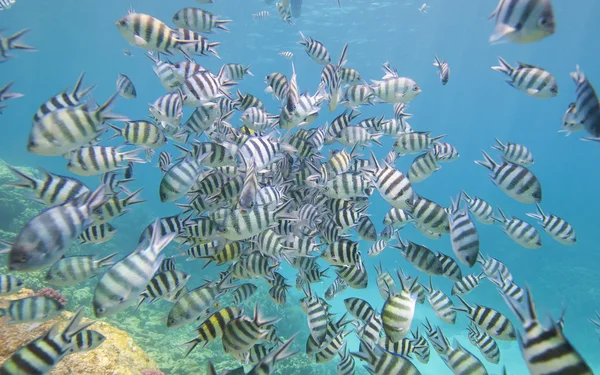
(474, 108)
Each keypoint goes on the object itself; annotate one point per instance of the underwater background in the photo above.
(474, 108)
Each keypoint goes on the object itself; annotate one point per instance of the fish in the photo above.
(555, 226)
(10, 285)
(486, 344)
(587, 106)
(540, 346)
(94, 160)
(315, 50)
(530, 79)
(164, 285)
(125, 87)
(199, 20)
(398, 311)
(461, 361)
(520, 231)
(522, 21)
(87, 340)
(444, 68)
(516, 181)
(196, 44)
(42, 354)
(5, 94)
(481, 209)
(286, 55)
(46, 237)
(267, 365)
(77, 269)
(381, 363)
(395, 89)
(467, 284)
(442, 305)
(6, 4)
(126, 279)
(420, 256)
(261, 15)
(463, 234)
(212, 328)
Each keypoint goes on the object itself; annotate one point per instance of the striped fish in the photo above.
(240, 334)
(467, 284)
(404, 347)
(545, 350)
(530, 79)
(385, 282)
(95, 160)
(337, 287)
(357, 95)
(515, 153)
(141, 133)
(277, 85)
(422, 351)
(261, 15)
(285, 13)
(9, 285)
(166, 72)
(508, 288)
(327, 354)
(556, 227)
(115, 207)
(481, 209)
(587, 106)
(397, 218)
(77, 269)
(266, 366)
(463, 362)
(178, 180)
(489, 320)
(423, 166)
(486, 344)
(451, 269)
(398, 311)
(12, 42)
(6, 4)
(522, 21)
(5, 94)
(414, 142)
(444, 68)
(198, 20)
(87, 340)
(212, 328)
(371, 330)
(203, 88)
(494, 268)
(463, 234)
(168, 264)
(355, 275)
(236, 226)
(51, 189)
(196, 303)
(63, 100)
(346, 366)
(438, 340)
(359, 308)
(200, 45)
(164, 285)
(168, 108)
(125, 87)
(45, 238)
(383, 363)
(142, 30)
(442, 305)
(316, 313)
(430, 216)
(516, 181)
(128, 277)
(67, 129)
(392, 184)
(420, 256)
(350, 76)
(315, 49)
(394, 89)
(445, 152)
(42, 354)
(31, 309)
(286, 55)
(234, 72)
(520, 231)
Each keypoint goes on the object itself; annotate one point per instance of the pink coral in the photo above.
(54, 294)
(152, 372)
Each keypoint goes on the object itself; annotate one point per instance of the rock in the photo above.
(118, 355)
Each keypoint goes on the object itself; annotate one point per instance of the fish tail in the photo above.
(101, 112)
(13, 41)
(132, 156)
(130, 200)
(504, 67)
(489, 163)
(25, 181)
(107, 261)
(211, 48)
(75, 324)
(221, 25)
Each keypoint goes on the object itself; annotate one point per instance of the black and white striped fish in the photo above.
(87, 340)
(516, 181)
(66, 129)
(441, 304)
(486, 344)
(212, 328)
(545, 350)
(125, 87)
(168, 108)
(97, 234)
(45, 238)
(463, 234)
(587, 106)
(315, 49)
(198, 20)
(164, 161)
(445, 152)
(9, 285)
(240, 334)
(398, 311)
(51, 189)
(94, 160)
(234, 72)
(420, 256)
(491, 321)
(5, 94)
(266, 366)
(42, 354)
(166, 72)
(515, 153)
(394, 89)
(444, 68)
(451, 269)
(286, 55)
(6, 4)
(423, 166)
(530, 79)
(31, 309)
(164, 285)
(200, 45)
(462, 362)
(128, 277)
(414, 142)
(481, 209)
(520, 231)
(556, 227)
(522, 21)
(392, 184)
(430, 216)
(261, 15)
(467, 284)
(384, 363)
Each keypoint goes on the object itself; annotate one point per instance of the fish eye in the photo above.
(122, 22)
(163, 196)
(542, 21)
(172, 321)
(416, 88)
(23, 259)
(100, 309)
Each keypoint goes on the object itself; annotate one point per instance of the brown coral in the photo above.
(52, 293)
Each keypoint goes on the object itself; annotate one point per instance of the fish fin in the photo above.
(500, 32)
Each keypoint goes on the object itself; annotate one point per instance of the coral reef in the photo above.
(152, 372)
(52, 293)
(118, 355)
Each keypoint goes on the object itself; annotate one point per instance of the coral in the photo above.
(52, 293)
(117, 355)
(152, 372)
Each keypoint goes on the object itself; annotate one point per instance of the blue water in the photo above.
(476, 106)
